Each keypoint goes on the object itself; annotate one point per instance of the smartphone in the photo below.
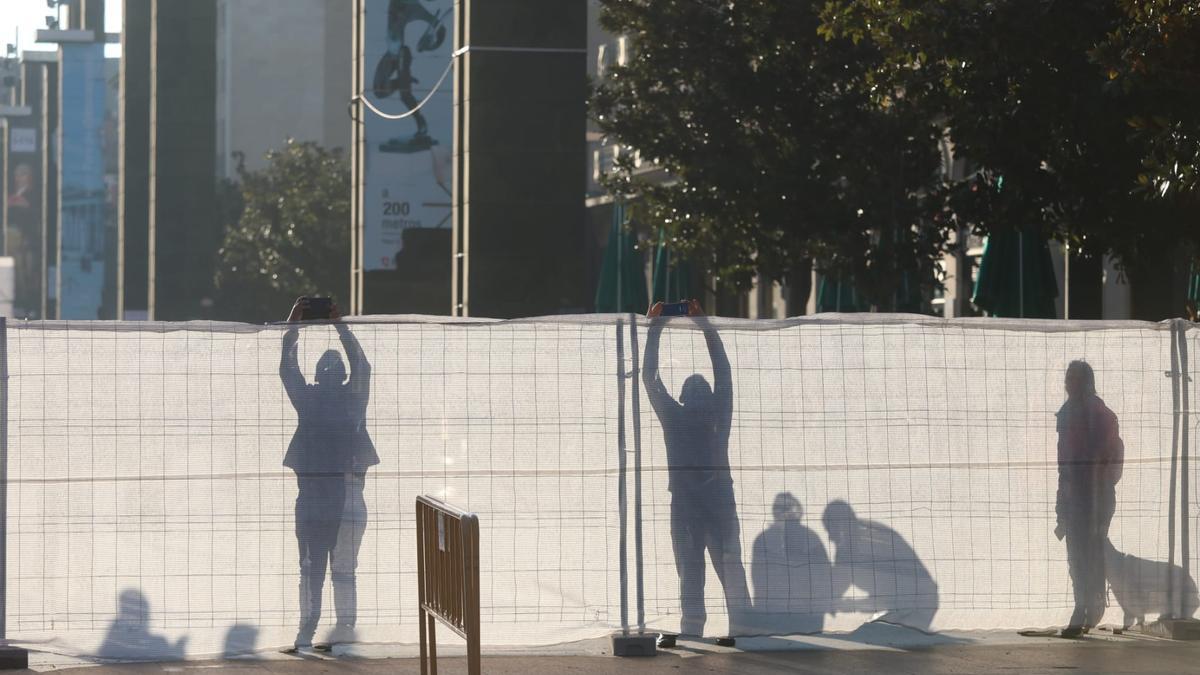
(318, 308)
(675, 308)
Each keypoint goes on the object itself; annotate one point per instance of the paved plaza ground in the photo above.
(873, 649)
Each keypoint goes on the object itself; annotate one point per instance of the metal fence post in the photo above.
(10, 657)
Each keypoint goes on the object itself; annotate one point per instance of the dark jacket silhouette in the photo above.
(1090, 460)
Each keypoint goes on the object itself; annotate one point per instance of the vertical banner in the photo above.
(407, 47)
(83, 202)
(23, 215)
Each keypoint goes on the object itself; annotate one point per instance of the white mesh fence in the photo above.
(894, 468)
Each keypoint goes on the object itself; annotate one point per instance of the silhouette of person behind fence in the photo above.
(703, 510)
(330, 453)
(129, 635)
(790, 572)
(876, 559)
(1090, 460)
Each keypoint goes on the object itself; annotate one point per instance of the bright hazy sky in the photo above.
(30, 15)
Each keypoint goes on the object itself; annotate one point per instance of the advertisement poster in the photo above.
(83, 203)
(23, 217)
(407, 47)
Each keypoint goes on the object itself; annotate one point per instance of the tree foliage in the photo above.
(1153, 58)
(1027, 96)
(287, 235)
(774, 146)
(777, 122)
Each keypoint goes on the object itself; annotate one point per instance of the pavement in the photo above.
(872, 650)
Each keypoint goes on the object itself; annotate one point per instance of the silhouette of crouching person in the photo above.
(129, 636)
(703, 510)
(330, 453)
(876, 559)
(791, 573)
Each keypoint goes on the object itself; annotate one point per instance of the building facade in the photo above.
(283, 71)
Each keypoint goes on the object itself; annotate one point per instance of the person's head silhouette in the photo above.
(839, 519)
(331, 371)
(1080, 381)
(134, 609)
(786, 507)
(696, 394)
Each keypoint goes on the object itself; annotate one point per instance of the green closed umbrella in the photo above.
(671, 275)
(622, 286)
(835, 294)
(1016, 277)
(1193, 292)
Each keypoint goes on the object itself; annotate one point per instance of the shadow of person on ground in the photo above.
(703, 511)
(791, 574)
(1090, 461)
(330, 453)
(876, 559)
(1139, 587)
(129, 636)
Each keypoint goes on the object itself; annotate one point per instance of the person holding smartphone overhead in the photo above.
(330, 453)
(703, 510)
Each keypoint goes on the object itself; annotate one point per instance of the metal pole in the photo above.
(422, 615)
(1175, 418)
(10, 657)
(3, 481)
(470, 534)
(356, 163)
(1067, 281)
(621, 506)
(619, 220)
(1021, 273)
(637, 479)
(1185, 506)
(459, 205)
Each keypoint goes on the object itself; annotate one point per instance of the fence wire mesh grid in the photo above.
(174, 489)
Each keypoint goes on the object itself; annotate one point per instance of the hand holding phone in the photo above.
(676, 309)
(314, 309)
(683, 308)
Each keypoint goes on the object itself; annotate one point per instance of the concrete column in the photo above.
(48, 143)
(520, 163)
(133, 200)
(183, 229)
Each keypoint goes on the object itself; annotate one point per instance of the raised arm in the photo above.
(722, 373)
(841, 578)
(360, 368)
(289, 367)
(656, 391)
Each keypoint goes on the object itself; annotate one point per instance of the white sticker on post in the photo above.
(441, 521)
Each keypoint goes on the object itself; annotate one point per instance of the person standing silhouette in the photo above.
(703, 509)
(330, 453)
(1091, 456)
